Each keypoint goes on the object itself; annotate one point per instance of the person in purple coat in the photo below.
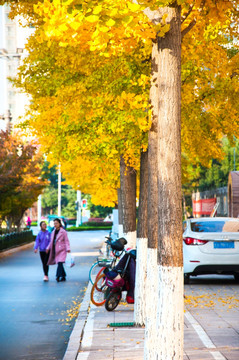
(58, 248)
(42, 241)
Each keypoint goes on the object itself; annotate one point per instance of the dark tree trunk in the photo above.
(169, 142)
(153, 167)
(128, 187)
(142, 229)
(164, 320)
(120, 207)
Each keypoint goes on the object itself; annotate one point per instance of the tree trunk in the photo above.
(128, 186)
(152, 282)
(166, 328)
(142, 240)
(120, 209)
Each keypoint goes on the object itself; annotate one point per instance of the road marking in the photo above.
(217, 355)
(86, 253)
(204, 337)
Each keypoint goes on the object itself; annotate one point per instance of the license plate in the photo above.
(224, 245)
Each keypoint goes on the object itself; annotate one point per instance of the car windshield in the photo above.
(215, 226)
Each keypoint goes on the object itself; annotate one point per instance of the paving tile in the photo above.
(99, 355)
(127, 343)
(231, 354)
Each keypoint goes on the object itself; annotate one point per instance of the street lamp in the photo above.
(78, 208)
(59, 190)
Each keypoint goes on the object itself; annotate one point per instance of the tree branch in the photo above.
(187, 14)
(193, 22)
(233, 75)
(188, 28)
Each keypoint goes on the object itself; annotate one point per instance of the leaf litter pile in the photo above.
(212, 300)
(72, 312)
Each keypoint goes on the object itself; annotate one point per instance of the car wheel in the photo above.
(236, 277)
(186, 278)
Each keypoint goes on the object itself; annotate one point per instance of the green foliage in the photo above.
(97, 210)
(216, 175)
(85, 228)
(15, 239)
(68, 202)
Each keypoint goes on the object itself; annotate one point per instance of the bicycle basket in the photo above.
(105, 263)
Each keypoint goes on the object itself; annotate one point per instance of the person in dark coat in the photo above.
(58, 248)
(130, 256)
(42, 241)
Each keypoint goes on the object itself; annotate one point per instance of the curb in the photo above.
(78, 330)
(16, 249)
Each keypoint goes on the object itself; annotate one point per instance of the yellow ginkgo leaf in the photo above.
(97, 9)
(110, 22)
(92, 18)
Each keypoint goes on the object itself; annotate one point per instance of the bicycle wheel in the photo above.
(97, 286)
(98, 297)
(112, 300)
(94, 272)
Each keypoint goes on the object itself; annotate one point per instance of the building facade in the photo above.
(12, 42)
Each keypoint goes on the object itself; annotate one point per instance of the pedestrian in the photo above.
(42, 241)
(58, 248)
(28, 222)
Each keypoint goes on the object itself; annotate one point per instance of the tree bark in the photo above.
(141, 263)
(120, 210)
(164, 331)
(128, 187)
(152, 282)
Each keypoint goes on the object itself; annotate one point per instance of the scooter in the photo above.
(117, 284)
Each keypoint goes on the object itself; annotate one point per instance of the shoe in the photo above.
(63, 279)
(129, 299)
(45, 278)
(57, 279)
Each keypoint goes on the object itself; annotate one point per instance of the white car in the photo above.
(211, 246)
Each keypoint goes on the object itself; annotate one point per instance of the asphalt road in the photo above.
(33, 314)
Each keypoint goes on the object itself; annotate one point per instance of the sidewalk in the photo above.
(208, 334)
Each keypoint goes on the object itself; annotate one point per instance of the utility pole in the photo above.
(78, 208)
(59, 190)
(39, 211)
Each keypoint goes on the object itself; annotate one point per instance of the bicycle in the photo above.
(105, 262)
(118, 284)
(99, 290)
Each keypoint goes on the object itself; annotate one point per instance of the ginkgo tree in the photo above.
(164, 136)
(84, 119)
(118, 28)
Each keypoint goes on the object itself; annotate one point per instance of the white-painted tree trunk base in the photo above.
(164, 330)
(152, 290)
(140, 282)
(131, 239)
(120, 231)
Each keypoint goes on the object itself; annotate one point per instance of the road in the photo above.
(33, 317)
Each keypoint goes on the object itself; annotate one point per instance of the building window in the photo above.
(7, 20)
(10, 30)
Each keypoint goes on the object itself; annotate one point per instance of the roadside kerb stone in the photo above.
(16, 249)
(78, 330)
